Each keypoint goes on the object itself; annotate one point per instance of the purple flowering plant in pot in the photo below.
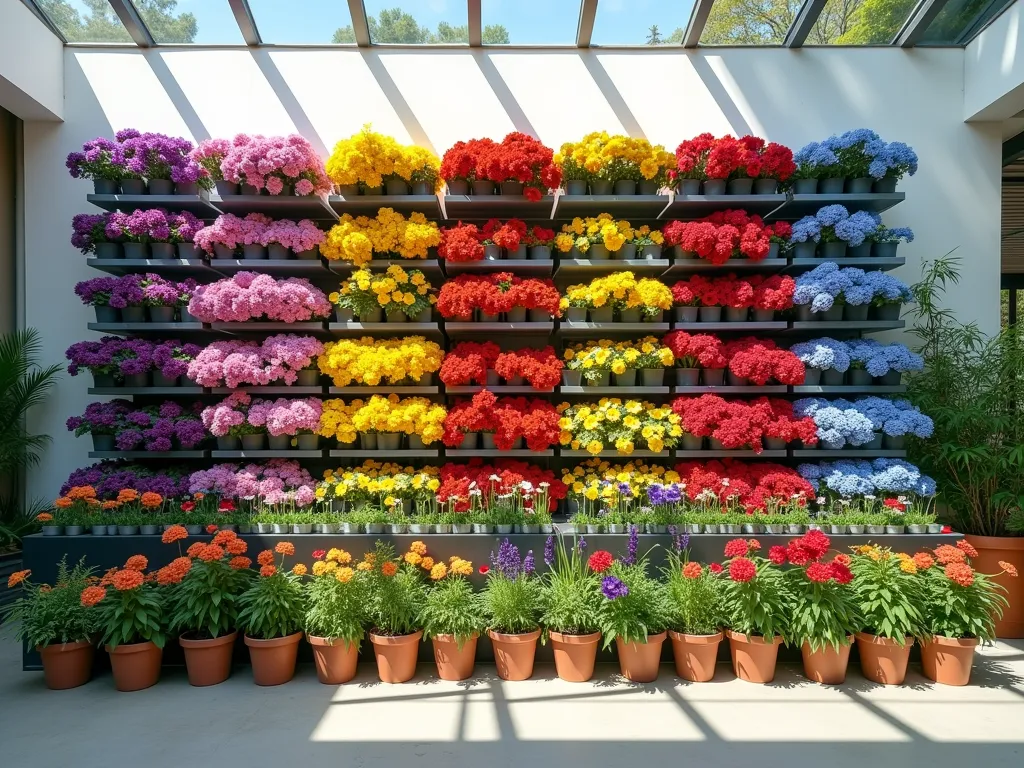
(150, 428)
(101, 160)
(142, 231)
(165, 161)
(89, 235)
(512, 603)
(110, 477)
(102, 421)
(171, 360)
(112, 360)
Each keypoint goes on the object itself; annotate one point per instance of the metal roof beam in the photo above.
(360, 26)
(476, 37)
(803, 23)
(920, 19)
(246, 22)
(695, 27)
(585, 29)
(136, 27)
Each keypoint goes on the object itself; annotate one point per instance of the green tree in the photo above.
(833, 22)
(99, 23)
(398, 27)
(654, 36)
(749, 22)
(876, 21)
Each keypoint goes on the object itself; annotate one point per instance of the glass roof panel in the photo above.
(530, 22)
(860, 22)
(190, 21)
(641, 22)
(960, 17)
(749, 22)
(410, 22)
(301, 22)
(85, 21)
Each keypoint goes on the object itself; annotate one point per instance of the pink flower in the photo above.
(251, 296)
(286, 417)
(299, 237)
(231, 231)
(237, 363)
(277, 481)
(271, 162)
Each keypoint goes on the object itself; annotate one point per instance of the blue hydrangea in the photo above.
(851, 138)
(892, 158)
(858, 227)
(894, 235)
(899, 476)
(878, 359)
(838, 422)
(806, 229)
(853, 477)
(887, 288)
(814, 155)
(824, 354)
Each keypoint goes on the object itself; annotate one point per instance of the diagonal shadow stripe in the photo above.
(612, 94)
(500, 88)
(397, 100)
(303, 125)
(181, 102)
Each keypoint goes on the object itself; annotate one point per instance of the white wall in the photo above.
(31, 65)
(436, 98)
(994, 69)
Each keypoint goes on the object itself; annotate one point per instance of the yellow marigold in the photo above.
(908, 566)
(345, 575)
(363, 566)
(418, 547)
(462, 567)
(427, 563)
(439, 571)
(319, 568)
(413, 558)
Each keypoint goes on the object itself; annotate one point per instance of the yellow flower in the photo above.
(344, 575)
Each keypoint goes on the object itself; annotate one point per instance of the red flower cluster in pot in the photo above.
(494, 294)
(518, 157)
(463, 158)
(775, 292)
(707, 157)
(509, 418)
(760, 361)
(495, 479)
(540, 236)
(739, 424)
(461, 243)
(755, 486)
(468, 362)
(695, 350)
(507, 235)
(542, 368)
(721, 236)
(756, 291)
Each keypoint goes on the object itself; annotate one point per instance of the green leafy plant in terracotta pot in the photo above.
(335, 620)
(698, 613)
(512, 603)
(453, 618)
(571, 600)
(396, 595)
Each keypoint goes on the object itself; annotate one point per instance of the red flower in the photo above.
(211, 528)
(895, 504)
(777, 555)
(715, 568)
(456, 480)
(742, 569)
(495, 294)
(461, 243)
(226, 505)
(484, 568)
(819, 572)
(692, 570)
(736, 548)
(318, 554)
(188, 506)
(947, 529)
(509, 418)
(841, 572)
(463, 159)
(542, 368)
(533, 194)
(695, 350)
(600, 561)
(522, 158)
(468, 362)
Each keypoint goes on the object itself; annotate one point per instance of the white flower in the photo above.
(545, 485)
(844, 502)
(869, 497)
(472, 484)
(820, 500)
(475, 492)
(526, 485)
(725, 481)
(495, 478)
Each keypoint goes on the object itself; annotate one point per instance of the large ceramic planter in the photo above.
(66, 665)
(753, 658)
(695, 655)
(513, 654)
(208, 662)
(396, 656)
(273, 660)
(454, 662)
(992, 549)
(826, 665)
(135, 666)
(948, 660)
(639, 662)
(575, 655)
(335, 661)
(882, 660)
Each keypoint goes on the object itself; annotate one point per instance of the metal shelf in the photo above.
(427, 330)
(571, 329)
(797, 266)
(521, 267)
(849, 389)
(404, 453)
(477, 207)
(583, 269)
(277, 206)
(162, 329)
(687, 267)
(385, 389)
(163, 455)
(277, 267)
(259, 328)
(845, 327)
(697, 206)
(739, 453)
(846, 453)
(291, 453)
(744, 327)
(466, 453)
(460, 330)
(148, 391)
(624, 391)
(179, 268)
(631, 207)
(369, 205)
(429, 267)
(498, 389)
(638, 454)
(808, 205)
(744, 389)
(199, 205)
(269, 390)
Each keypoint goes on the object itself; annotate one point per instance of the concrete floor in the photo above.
(538, 723)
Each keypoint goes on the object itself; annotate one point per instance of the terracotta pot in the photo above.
(66, 665)
(948, 660)
(575, 655)
(335, 662)
(992, 549)
(695, 655)
(396, 656)
(273, 660)
(453, 662)
(208, 662)
(826, 665)
(135, 666)
(639, 662)
(882, 660)
(513, 654)
(753, 659)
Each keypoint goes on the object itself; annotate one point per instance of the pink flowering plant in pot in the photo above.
(229, 233)
(287, 417)
(251, 296)
(278, 164)
(277, 358)
(210, 154)
(284, 235)
(270, 483)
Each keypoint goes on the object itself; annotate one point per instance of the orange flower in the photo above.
(842, 559)
(223, 537)
(236, 547)
(412, 558)
(965, 546)
(108, 505)
(137, 563)
(285, 548)
(344, 575)
(173, 534)
(63, 502)
(266, 557)
(211, 552)
(17, 577)
(211, 528)
(240, 563)
(92, 595)
(198, 496)
(93, 502)
(946, 554)
(174, 572)
(125, 580)
(370, 558)
(924, 561)
(44, 517)
(127, 495)
(418, 547)
(152, 500)
(108, 577)
(961, 573)
(1009, 568)
(389, 569)
(364, 566)
(427, 563)
(268, 570)
(195, 548)
(439, 571)
(299, 569)
(82, 492)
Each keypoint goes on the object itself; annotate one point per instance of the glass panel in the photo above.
(439, 21)
(959, 17)
(190, 21)
(860, 22)
(530, 22)
(85, 21)
(749, 22)
(302, 22)
(641, 22)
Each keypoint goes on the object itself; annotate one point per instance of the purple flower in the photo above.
(613, 588)
(507, 562)
(549, 551)
(529, 566)
(634, 539)
(581, 545)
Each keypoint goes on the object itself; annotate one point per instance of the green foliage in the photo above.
(761, 606)
(823, 614)
(571, 595)
(336, 610)
(697, 607)
(512, 606)
(205, 603)
(45, 615)
(99, 23)
(398, 27)
(953, 610)
(129, 616)
(274, 606)
(645, 610)
(888, 597)
(394, 602)
(973, 388)
(452, 608)
(749, 22)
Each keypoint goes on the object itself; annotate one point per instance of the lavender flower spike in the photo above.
(634, 539)
(549, 551)
(613, 588)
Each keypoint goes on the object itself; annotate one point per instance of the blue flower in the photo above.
(824, 354)
(804, 230)
(830, 215)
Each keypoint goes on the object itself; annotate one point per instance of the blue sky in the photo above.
(527, 21)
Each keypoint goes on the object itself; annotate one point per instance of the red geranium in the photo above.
(468, 362)
(754, 486)
(761, 361)
(507, 235)
(540, 236)
(722, 236)
(461, 243)
(509, 418)
(542, 368)
(522, 158)
(740, 424)
(495, 294)
(462, 160)
(775, 292)
(600, 561)
(695, 350)
(742, 569)
(457, 480)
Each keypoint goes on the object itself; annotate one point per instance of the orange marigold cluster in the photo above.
(266, 557)
(108, 577)
(174, 572)
(418, 547)
(17, 577)
(224, 536)
(173, 534)
(125, 580)
(924, 561)
(344, 575)
(946, 554)
(268, 570)
(967, 548)
(439, 571)
(92, 595)
(211, 552)
(152, 500)
(961, 573)
(81, 492)
(299, 569)
(44, 517)
(240, 563)
(195, 548)
(137, 563)
(389, 569)
(285, 548)
(236, 547)
(64, 502)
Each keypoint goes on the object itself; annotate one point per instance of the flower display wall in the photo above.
(234, 363)
(372, 362)
(389, 234)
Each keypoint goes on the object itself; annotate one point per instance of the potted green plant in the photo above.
(202, 602)
(971, 386)
(695, 625)
(395, 597)
(452, 617)
(55, 621)
(336, 618)
(271, 614)
(571, 600)
(512, 604)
